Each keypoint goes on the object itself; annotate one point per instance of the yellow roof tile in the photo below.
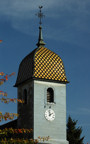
(48, 65)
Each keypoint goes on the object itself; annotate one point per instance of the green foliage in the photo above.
(74, 133)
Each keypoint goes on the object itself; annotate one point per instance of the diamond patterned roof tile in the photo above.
(41, 64)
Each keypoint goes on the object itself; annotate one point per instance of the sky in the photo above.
(66, 31)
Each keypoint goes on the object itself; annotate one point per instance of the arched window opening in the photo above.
(25, 96)
(50, 95)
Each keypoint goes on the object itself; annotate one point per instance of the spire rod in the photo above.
(40, 39)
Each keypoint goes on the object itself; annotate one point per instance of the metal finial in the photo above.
(40, 14)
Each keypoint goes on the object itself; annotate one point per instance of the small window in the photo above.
(50, 95)
(25, 96)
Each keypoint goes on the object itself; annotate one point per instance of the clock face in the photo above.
(50, 114)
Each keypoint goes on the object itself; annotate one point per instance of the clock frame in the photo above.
(49, 115)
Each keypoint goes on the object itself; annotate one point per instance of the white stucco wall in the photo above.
(56, 129)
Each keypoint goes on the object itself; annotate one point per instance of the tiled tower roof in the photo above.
(48, 65)
(41, 64)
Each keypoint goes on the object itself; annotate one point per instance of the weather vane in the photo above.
(40, 14)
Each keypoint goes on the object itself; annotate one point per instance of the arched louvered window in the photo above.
(50, 95)
(25, 96)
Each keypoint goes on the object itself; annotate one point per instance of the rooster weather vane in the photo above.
(40, 14)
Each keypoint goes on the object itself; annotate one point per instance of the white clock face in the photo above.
(50, 114)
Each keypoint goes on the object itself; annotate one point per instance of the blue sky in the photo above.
(66, 31)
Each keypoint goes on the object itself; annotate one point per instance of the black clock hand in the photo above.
(50, 114)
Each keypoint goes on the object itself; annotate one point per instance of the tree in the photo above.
(73, 132)
(3, 97)
(10, 135)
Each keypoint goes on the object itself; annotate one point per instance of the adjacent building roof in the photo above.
(11, 124)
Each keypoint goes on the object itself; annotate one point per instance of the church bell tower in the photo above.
(41, 83)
